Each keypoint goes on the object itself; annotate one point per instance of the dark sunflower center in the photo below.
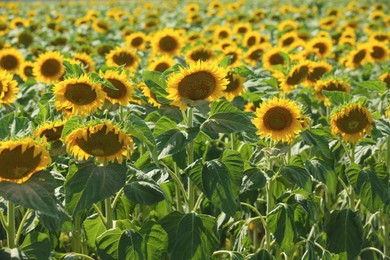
(101, 143)
(167, 44)
(162, 66)
(242, 30)
(223, 34)
(288, 41)
(298, 75)
(80, 93)
(16, 164)
(120, 89)
(276, 59)
(334, 86)
(102, 25)
(316, 74)
(28, 71)
(50, 67)
(378, 52)
(359, 56)
(387, 81)
(198, 85)
(123, 58)
(352, 123)
(380, 38)
(3, 27)
(53, 134)
(9, 62)
(233, 56)
(321, 47)
(233, 83)
(137, 41)
(277, 118)
(251, 41)
(255, 55)
(202, 55)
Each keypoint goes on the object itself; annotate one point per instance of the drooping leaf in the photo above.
(108, 244)
(253, 179)
(323, 173)
(145, 192)
(155, 240)
(298, 176)
(36, 245)
(93, 227)
(318, 141)
(174, 141)
(130, 246)
(157, 84)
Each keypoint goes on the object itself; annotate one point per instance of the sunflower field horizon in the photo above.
(178, 130)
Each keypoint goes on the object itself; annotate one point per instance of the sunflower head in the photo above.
(136, 40)
(26, 70)
(10, 59)
(385, 77)
(20, 159)
(318, 69)
(200, 53)
(122, 94)
(200, 81)
(8, 88)
(352, 121)
(123, 57)
(167, 41)
(50, 130)
(278, 119)
(379, 51)
(85, 60)
(235, 87)
(255, 53)
(48, 67)
(273, 57)
(151, 97)
(320, 47)
(105, 141)
(330, 84)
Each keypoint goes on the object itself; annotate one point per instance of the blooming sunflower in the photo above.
(200, 53)
(151, 97)
(136, 40)
(318, 69)
(278, 119)
(50, 130)
(201, 80)
(86, 61)
(235, 53)
(222, 32)
(161, 63)
(297, 74)
(235, 87)
(320, 46)
(251, 38)
(387, 113)
(273, 57)
(328, 23)
(351, 121)
(290, 40)
(101, 26)
(26, 70)
(330, 84)
(10, 59)
(256, 52)
(20, 159)
(167, 41)
(386, 79)
(8, 88)
(287, 26)
(242, 28)
(358, 57)
(123, 57)
(80, 95)
(124, 90)
(105, 141)
(379, 51)
(48, 67)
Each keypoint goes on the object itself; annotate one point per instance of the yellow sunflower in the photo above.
(278, 119)
(167, 41)
(379, 51)
(287, 26)
(222, 32)
(328, 23)
(387, 113)
(242, 28)
(235, 53)
(225, 43)
(320, 46)
(161, 63)
(318, 69)
(297, 74)
(10, 59)
(48, 67)
(200, 81)
(136, 40)
(191, 8)
(123, 57)
(124, 89)
(149, 95)
(8, 88)
(272, 57)
(50, 130)
(359, 56)
(255, 53)
(290, 40)
(105, 141)
(351, 121)
(385, 77)
(79, 96)
(330, 84)
(3, 28)
(200, 53)
(86, 61)
(235, 87)
(26, 70)
(101, 26)
(251, 38)
(20, 159)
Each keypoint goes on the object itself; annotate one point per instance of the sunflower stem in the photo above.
(388, 154)
(11, 225)
(117, 197)
(386, 232)
(3, 220)
(109, 213)
(190, 152)
(177, 189)
(177, 181)
(232, 140)
(352, 153)
(198, 202)
(20, 229)
(76, 240)
(270, 206)
(100, 213)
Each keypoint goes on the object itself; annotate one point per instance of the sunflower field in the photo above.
(195, 130)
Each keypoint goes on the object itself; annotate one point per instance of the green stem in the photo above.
(76, 239)
(11, 225)
(198, 201)
(177, 190)
(117, 197)
(221, 252)
(352, 153)
(109, 213)
(176, 180)
(388, 154)
(350, 193)
(100, 213)
(384, 256)
(270, 205)
(190, 152)
(3, 220)
(386, 230)
(20, 229)
(232, 141)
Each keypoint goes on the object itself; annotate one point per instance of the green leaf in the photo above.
(163, 124)
(298, 176)
(225, 61)
(157, 84)
(194, 172)
(130, 246)
(322, 172)
(155, 240)
(374, 85)
(12, 125)
(108, 244)
(344, 233)
(12, 254)
(337, 97)
(253, 179)
(263, 254)
(281, 222)
(97, 79)
(139, 129)
(72, 70)
(174, 141)
(310, 253)
(236, 256)
(93, 227)
(36, 245)
(243, 71)
(36, 193)
(371, 186)
(144, 192)
(190, 236)
(317, 140)
(91, 184)
(71, 124)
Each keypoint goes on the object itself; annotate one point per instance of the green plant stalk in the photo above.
(198, 202)
(177, 181)
(388, 154)
(232, 141)
(76, 239)
(270, 205)
(190, 153)
(100, 213)
(3, 220)
(386, 230)
(117, 197)
(177, 190)
(11, 225)
(109, 213)
(20, 229)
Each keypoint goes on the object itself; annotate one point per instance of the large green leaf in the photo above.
(318, 139)
(155, 240)
(36, 193)
(163, 124)
(298, 176)
(93, 227)
(371, 186)
(373, 85)
(344, 233)
(36, 245)
(337, 97)
(130, 246)
(174, 141)
(144, 192)
(253, 179)
(225, 118)
(157, 84)
(91, 184)
(139, 129)
(190, 236)
(108, 244)
(322, 172)
(12, 125)
(194, 172)
(281, 222)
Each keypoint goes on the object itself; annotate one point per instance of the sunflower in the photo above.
(235, 87)
(272, 57)
(149, 95)
(20, 159)
(242, 28)
(124, 90)
(26, 70)
(251, 39)
(351, 121)
(320, 46)
(222, 32)
(50, 130)
(386, 79)
(3, 28)
(328, 23)
(225, 43)
(191, 8)
(79, 96)
(330, 84)
(101, 26)
(123, 57)
(297, 74)
(86, 61)
(19, 22)
(8, 88)
(379, 51)
(10, 59)
(318, 69)
(25, 38)
(200, 81)
(387, 112)
(105, 141)
(290, 40)
(48, 67)
(167, 41)
(161, 63)
(136, 40)
(256, 52)
(200, 53)
(278, 119)
(235, 54)
(358, 57)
